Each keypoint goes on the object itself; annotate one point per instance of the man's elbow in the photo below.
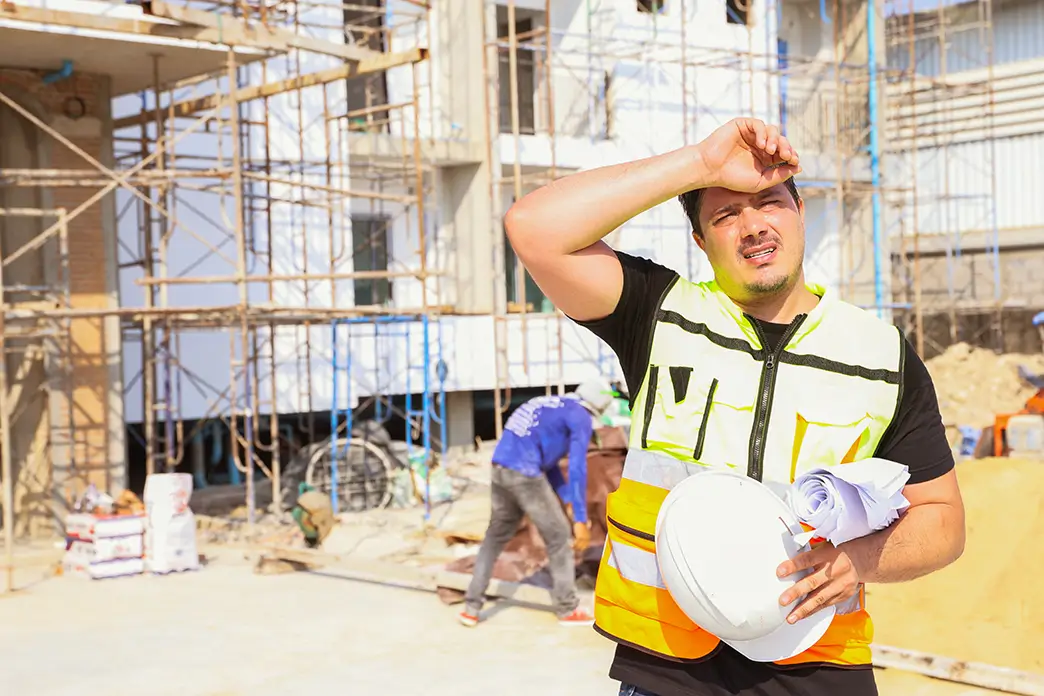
(960, 537)
(517, 224)
(956, 534)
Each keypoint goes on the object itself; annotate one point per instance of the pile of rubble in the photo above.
(974, 384)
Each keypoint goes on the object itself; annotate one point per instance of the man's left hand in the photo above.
(835, 578)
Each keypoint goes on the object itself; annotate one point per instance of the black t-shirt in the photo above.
(917, 439)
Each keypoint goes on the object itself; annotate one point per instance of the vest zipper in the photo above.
(763, 408)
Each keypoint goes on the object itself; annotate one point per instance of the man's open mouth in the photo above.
(760, 252)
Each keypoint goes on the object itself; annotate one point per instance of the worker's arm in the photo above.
(556, 231)
(580, 429)
(558, 482)
(928, 536)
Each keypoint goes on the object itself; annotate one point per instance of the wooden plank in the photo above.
(383, 61)
(400, 575)
(138, 27)
(237, 32)
(979, 674)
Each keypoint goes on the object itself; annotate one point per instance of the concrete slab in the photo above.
(224, 631)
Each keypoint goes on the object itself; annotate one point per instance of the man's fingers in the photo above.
(787, 153)
(759, 133)
(804, 586)
(813, 603)
(808, 559)
(771, 140)
(779, 173)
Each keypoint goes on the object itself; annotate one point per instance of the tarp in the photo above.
(525, 557)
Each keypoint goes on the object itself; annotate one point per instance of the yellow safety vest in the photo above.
(712, 396)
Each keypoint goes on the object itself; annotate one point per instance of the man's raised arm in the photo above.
(557, 230)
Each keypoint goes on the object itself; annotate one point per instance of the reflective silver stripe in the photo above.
(635, 564)
(659, 470)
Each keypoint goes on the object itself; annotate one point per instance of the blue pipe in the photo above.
(60, 74)
(781, 50)
(443, 426)
(875, 158)
(427, 417)
(823, 12)
(333, 420)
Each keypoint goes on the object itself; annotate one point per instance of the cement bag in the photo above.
(168, 494)
(170, 544)
(170, 526)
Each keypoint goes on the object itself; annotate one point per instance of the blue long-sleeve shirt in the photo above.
(542, 431)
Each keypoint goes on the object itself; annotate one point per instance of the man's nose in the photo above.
(752, 222)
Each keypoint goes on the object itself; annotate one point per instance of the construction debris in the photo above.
(1004, 679)
(974, 384)
(524, 559)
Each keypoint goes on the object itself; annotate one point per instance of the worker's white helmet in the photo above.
(719, 538)
(596, 394)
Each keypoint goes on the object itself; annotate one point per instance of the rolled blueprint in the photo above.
(848, 501)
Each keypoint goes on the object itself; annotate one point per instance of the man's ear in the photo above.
(699, 240)
(801, 209)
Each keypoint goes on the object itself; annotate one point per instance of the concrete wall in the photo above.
(67, 428)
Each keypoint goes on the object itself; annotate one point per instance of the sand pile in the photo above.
(974, 384)
(987, 606)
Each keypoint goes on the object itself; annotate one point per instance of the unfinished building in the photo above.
(231, 231)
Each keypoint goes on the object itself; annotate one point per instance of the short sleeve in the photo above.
(628, 330)
(918, 436)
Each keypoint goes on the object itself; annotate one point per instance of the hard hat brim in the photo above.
(694, 565)
(786, 641)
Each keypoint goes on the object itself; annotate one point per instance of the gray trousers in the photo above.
(515, 495)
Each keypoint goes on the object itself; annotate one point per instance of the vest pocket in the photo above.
(677, 410)
(702, 436)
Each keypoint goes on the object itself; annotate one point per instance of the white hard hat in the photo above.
(719, 538)
(596, 393)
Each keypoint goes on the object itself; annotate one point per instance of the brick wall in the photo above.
(84, 428)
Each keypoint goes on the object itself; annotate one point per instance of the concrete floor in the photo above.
(224, 631)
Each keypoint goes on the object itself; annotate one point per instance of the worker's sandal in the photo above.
(466, 619)
(578, 617)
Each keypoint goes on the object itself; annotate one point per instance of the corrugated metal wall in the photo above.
(1018, 34)
(954, 185)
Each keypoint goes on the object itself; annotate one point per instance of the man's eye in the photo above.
(772, 201)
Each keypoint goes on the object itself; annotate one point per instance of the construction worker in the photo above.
(756, 371)
(527, 481)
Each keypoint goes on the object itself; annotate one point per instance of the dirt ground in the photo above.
(224, 631)
(987, 606)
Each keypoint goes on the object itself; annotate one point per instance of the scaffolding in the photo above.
(871, 116)
(243, 187)
(255, 169)
(944, 124)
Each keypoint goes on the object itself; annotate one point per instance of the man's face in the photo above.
(755, 242)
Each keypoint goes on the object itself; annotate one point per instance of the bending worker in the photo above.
(757, 370)
(527, 481)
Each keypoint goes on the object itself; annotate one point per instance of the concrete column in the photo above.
(468, 215)
(460, 418)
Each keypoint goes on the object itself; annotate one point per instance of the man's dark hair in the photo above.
(691, 201)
